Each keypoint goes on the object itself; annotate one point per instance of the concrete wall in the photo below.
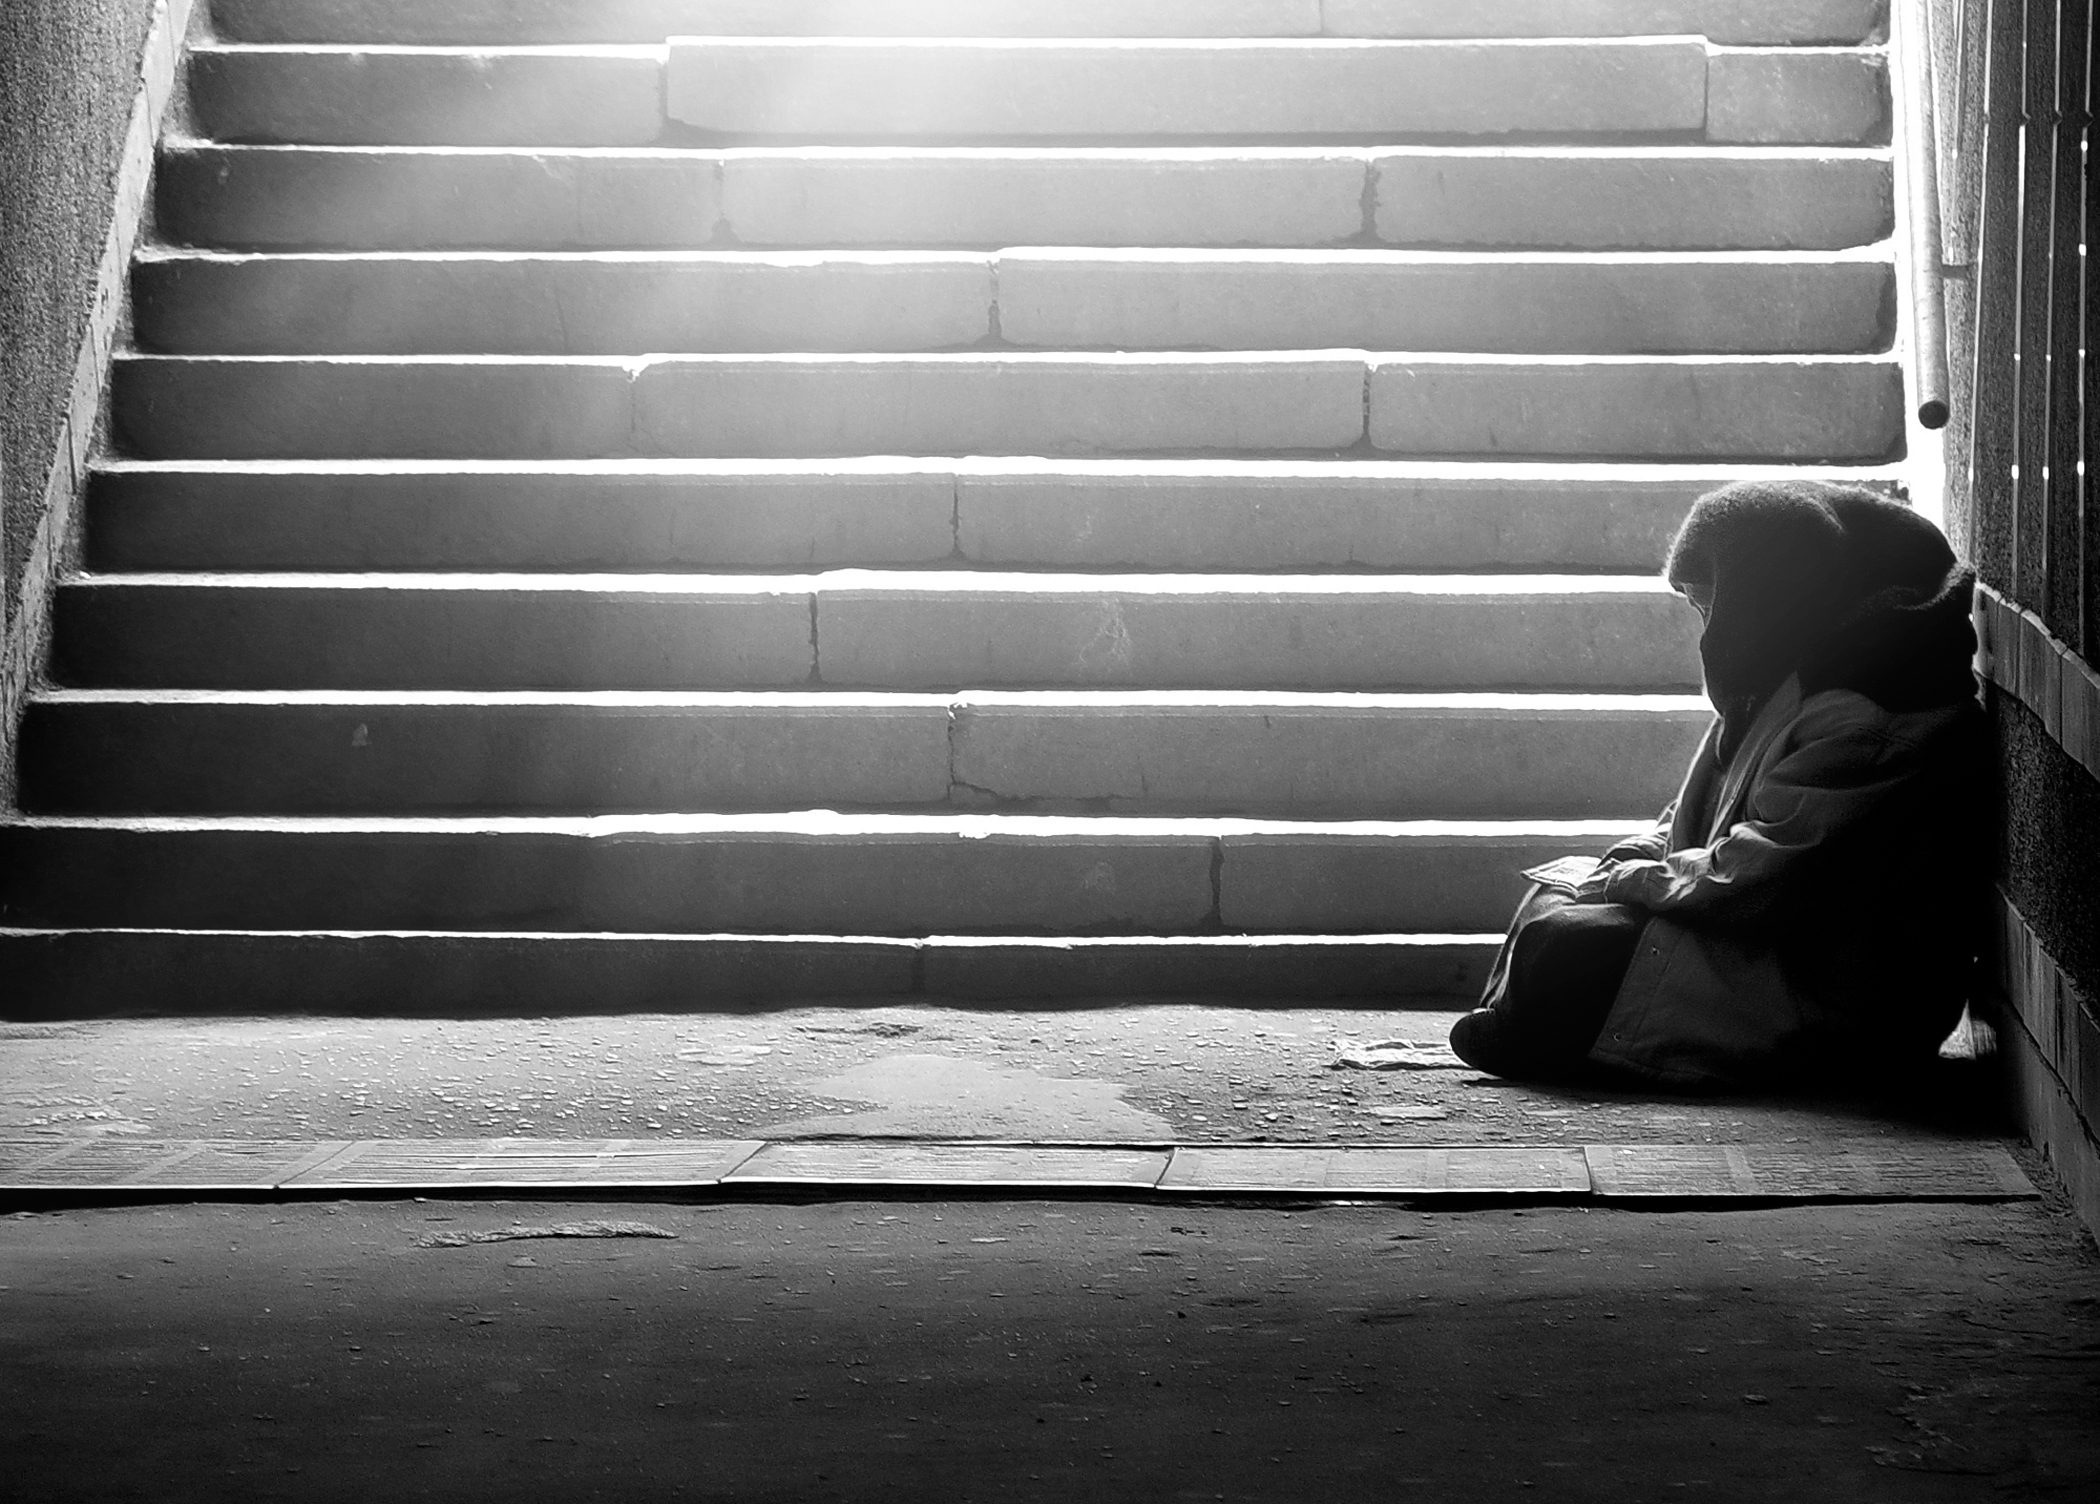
(69, 74)
(2043, 693)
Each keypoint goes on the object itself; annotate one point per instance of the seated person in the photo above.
(1809, 906)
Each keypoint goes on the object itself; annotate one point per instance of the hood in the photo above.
(1838, 584)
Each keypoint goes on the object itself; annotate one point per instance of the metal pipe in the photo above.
(1911, 49)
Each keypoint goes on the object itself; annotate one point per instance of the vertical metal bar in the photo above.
(2089, 342)
(2065, 609)
(1997, 297)
(1911, 21)
(2037, 205)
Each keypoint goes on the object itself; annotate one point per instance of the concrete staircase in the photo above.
(971, 497)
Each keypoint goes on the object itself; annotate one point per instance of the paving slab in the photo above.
(990, 1167)
(519, 1164)
(1842, 1169)
(1461, 1170)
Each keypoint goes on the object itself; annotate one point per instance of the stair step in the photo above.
(1813, 408)
(83, 973)
(843, 87)
(587, 303)
(616, 302)
(560, 21)
(1243, 515)
(869, 629)
(988, 90)
(575, 96)
(1739, 21)
(780, 874)
(567, 21)
(1290, 755)
(1638, 198)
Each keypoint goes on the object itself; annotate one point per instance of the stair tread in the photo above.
(851, 825)
(930, 581)
(1484, 702)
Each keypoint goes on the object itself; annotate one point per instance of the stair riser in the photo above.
(759, 89)
(824, 89)
(235, 408)
(100, 974)
(1631, 201)
(769, 884)
(1309, 762)
(511, 306)
(264, 198)
(557, 21)
(146, 521)
(191, 636)
(553, 22)
(1045, 300)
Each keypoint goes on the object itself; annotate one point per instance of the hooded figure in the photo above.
(1809, 905)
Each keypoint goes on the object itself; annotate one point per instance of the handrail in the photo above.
(1910, 36)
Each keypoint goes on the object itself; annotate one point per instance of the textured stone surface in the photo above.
(996, 403)
(1280, 634)
(210, 194)
(1381, 761)
(1400, 300)
(1341, 881)
(264, 407)
(503, 755)
(1790, 21)
(1840, 97)
(260, 632)
(595, 303)
(991, 89)
(68, 77)
(635, 875)
(1706, 409)
(339, 96)
(137, 753)
(1377, 515)
(980, 196)
(617, 515)
(1641, 198)
(552, 21)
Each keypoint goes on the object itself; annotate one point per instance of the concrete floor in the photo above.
(919, 1349)
(1189, 1072)
(924, 1350)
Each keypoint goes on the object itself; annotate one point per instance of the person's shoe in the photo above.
(1485, 1040)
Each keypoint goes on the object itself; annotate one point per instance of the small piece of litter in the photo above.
(1411, 1114)
(1394, 1055)
(725, 1054)
(559, 1230)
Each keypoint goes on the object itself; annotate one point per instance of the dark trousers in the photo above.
(1559, 972)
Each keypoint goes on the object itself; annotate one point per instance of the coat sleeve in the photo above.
(1650, 845)
(1831, 773)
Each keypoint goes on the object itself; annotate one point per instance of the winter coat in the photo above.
(1816, 887)
(1815, 897)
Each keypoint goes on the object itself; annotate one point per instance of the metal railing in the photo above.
(1910, 46)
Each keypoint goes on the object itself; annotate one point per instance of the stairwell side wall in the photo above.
(84, 86)
(2013, 81)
